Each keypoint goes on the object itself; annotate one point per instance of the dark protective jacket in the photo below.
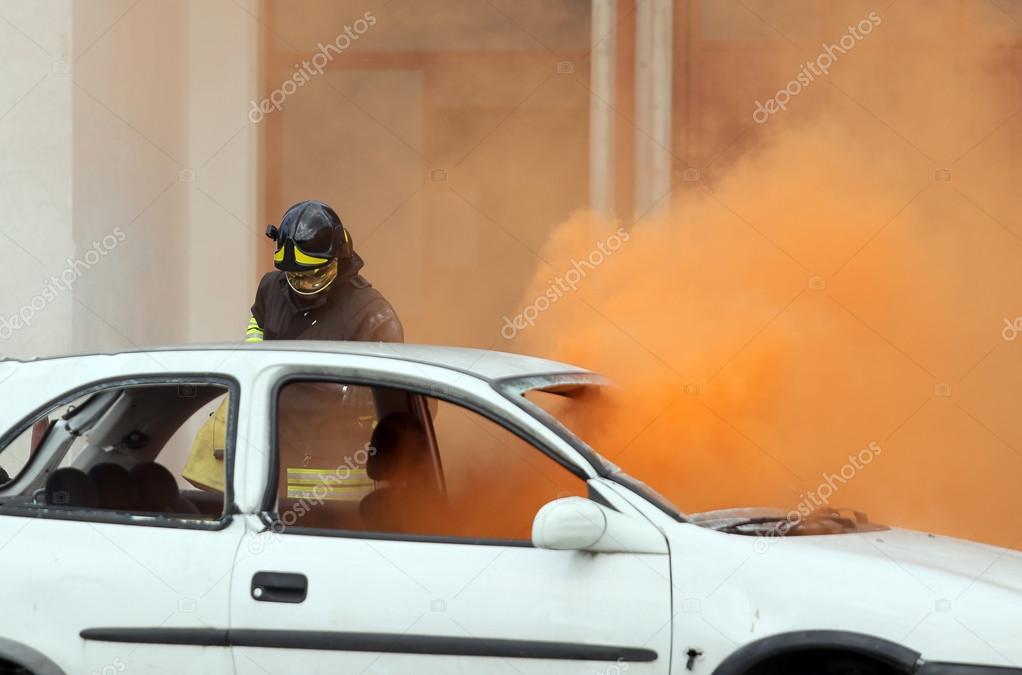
(350, 309)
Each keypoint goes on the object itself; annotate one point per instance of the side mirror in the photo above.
(577, 524)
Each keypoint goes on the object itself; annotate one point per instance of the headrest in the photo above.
(394, 436)
(155, 486)
(71, 487)
(115, 486)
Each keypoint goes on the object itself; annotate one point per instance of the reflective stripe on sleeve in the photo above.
(328, 484)
(254, 332)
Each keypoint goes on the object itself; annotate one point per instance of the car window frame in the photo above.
(233, 391)
(268, 512)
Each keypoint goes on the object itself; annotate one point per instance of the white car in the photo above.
(371, 508)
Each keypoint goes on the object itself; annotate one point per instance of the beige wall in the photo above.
(447, 140)
(125, 121)
(135, 127)
(163, 150)
(35, 176)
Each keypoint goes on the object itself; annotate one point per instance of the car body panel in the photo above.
(65, 576)
(474, 593)
(715, 592)
(891, 584)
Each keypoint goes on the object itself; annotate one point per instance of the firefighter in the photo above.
(316, 293)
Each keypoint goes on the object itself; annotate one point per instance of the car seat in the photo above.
(115, 486)
(70, 487)
(157, 490)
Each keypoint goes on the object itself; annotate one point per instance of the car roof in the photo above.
(483, 363)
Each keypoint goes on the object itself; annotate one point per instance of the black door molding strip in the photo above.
(393, 643)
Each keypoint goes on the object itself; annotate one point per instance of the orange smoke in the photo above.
(841, 279)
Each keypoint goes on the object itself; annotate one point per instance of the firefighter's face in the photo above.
(311, 282)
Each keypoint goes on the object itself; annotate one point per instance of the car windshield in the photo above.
(573, 410)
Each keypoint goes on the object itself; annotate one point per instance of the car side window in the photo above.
(323, 435)
(16, 454)
(495, 480)
(386, 461)
(140, 449)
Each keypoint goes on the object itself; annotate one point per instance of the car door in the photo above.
(108, 566)
(448, 583)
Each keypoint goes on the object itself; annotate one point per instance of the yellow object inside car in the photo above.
(205, 466)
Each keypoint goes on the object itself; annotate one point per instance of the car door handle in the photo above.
(279, 587)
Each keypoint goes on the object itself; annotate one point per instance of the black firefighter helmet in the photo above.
(311, 242)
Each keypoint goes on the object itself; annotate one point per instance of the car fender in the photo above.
(902, 658)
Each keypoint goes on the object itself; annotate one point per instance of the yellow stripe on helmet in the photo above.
(303, 258)
(278, 256)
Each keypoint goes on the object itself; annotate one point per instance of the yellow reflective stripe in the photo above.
(361, 487)
(303, 258)
(346, 484)
(323, 489)
(332, 472)
(340, 484)
(305, 477)
(253, 327)
(330, 494)
(254, 333)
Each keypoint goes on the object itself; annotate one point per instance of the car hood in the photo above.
(990, 566)
(946, 598)
(934, 553)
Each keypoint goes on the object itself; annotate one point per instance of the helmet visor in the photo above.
(310, 282)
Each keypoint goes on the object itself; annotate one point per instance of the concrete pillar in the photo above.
(601, 111)
(653, 55)
(35, 178)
